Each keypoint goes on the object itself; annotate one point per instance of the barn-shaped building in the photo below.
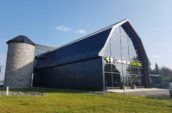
(111, 57)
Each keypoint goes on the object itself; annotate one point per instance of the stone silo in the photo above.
(19, 64)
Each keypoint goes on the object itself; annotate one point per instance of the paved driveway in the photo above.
(149, 92)
(164, 93)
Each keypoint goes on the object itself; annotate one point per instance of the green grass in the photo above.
(66, 101)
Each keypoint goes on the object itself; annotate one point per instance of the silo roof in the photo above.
(22, 39)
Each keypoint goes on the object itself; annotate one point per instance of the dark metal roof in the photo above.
(21, 39)
(79, 50)
(84, 48)
(137, 42)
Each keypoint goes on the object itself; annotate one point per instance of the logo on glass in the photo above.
(122, 61)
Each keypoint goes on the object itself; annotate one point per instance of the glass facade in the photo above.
(41, 49)
(123, 66)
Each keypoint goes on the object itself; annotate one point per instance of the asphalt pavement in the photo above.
(148, 92)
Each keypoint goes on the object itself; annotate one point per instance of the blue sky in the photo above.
(56, 22)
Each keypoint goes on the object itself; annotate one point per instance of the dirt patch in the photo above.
(3, 93)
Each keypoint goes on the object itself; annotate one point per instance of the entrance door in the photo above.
(112, 76)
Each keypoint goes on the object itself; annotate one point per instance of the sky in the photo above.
(57, 22)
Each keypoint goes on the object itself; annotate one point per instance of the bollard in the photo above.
(124, 89)
(7, 91)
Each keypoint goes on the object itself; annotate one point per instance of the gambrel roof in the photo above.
(88, 47)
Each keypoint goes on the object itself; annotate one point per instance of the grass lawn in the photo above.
(66, 101)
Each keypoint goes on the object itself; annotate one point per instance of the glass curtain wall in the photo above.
(122, 65)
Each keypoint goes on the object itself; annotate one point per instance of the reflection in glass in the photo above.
(121, 47)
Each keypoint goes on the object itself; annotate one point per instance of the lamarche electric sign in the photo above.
(122, 61)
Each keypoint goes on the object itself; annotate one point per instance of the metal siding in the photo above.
(84, 75)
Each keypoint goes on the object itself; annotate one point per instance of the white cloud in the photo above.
(81, 31)
(63, 28)
(67, 29)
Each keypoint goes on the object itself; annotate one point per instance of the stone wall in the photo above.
(19, 65)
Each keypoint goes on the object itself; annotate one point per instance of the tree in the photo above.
(166, 74)
(156, 70)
